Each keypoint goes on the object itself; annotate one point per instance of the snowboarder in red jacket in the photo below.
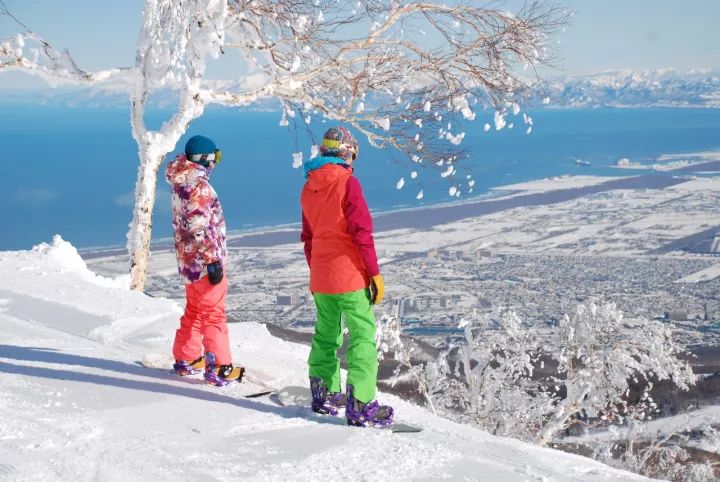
(345, 281)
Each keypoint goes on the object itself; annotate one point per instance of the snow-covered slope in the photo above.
(75, 405)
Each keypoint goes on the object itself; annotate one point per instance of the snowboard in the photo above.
(295, 396)
(165, 363)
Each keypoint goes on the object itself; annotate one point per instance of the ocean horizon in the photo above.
(72, 171)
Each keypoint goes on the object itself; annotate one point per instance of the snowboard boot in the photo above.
(223, 374)
(185, 368)
(323, 401)
(368, 414)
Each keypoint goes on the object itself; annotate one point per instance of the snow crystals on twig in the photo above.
(450, 170)
(455, 140)
(460, 104)
(384, 123)
(297, 160)
(499, 121)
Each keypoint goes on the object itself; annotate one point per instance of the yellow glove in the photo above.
(377, 289)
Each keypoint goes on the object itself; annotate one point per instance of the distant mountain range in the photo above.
(616, 89)
(627, 88)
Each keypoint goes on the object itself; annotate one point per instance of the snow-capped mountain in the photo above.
(628, 88)
(614, 88)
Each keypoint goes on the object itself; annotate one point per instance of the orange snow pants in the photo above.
(203, 325)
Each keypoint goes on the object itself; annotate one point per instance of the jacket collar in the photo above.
(318, 162)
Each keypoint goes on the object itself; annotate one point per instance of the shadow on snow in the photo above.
(46, 355)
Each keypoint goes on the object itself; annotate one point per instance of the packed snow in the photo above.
(76, 405)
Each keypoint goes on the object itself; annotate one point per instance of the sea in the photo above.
(72, 170)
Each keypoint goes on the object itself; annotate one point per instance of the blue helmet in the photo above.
(202, 150)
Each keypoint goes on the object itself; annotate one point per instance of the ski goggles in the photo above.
(205, 159)
(332, 144)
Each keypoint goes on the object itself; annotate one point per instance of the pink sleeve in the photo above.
(360, 225)
(306, 237)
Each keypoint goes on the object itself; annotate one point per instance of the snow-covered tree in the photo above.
(403, 73)
(533, 382)
(659, 454)
(599, 353)
(390, 343)
(488, 378)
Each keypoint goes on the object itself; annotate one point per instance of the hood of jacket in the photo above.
(325, 171)
(182, 172)
(320, 161)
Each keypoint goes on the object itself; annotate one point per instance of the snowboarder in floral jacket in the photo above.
(345, 281)
(201, 252)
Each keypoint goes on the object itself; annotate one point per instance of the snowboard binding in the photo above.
(184, 368)
(368, 414)
(221, 375)
(323, 401)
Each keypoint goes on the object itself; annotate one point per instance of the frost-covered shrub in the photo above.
(390, 343)
(658, 454)
(599, 353)
(534, 382)
(488, 380)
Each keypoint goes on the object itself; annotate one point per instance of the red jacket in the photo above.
(337, 231)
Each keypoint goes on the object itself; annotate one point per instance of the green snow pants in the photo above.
(362, 359)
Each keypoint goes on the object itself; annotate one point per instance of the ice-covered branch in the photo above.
(403, 73)
(29, 53)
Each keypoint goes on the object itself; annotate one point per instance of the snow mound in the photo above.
(65, 258)
(55, 274)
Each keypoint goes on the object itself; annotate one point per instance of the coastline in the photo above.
(428, 217)
(539, 192)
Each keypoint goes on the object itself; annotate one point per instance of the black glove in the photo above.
(215, 272)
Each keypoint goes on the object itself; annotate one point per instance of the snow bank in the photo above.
(55, 273)
(63, 257)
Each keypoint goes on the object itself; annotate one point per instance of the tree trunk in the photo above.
(140, 233)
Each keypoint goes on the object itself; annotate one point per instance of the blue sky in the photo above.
(604, 34)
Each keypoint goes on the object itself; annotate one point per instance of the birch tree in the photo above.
(403, 73)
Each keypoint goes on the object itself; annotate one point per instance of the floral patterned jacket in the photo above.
(197, 219)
